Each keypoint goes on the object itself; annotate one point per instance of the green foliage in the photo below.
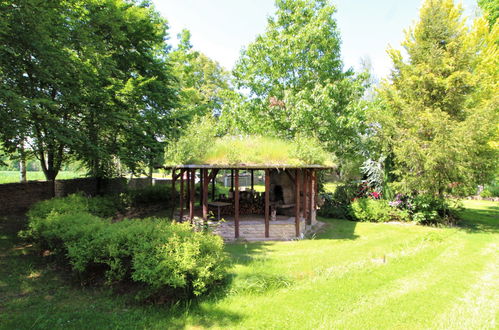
(166, 258)
(371, 210)
(427, 209)
(296, 80)
(486, 193)
(204, 148)
(202, 81)
(99, 206)
(491, 190)
(93, 84)
(438, 112)
(148, 195)
(491, 8)
(336, 204)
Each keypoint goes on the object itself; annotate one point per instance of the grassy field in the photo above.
(13, 176)
(351, 276)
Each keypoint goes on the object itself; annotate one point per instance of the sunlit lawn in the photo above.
(13, 176)
(351, 276)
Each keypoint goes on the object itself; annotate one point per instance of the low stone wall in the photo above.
(255, 230)
(139, 183)
(18, 197)
(87, 186)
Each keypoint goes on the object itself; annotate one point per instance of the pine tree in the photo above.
(434, 123)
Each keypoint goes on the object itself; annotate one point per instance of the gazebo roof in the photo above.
(246, 166)
(248, 152)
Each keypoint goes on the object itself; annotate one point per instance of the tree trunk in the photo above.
(22, 163)
(51, 166)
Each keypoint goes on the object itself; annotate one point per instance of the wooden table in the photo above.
(219, 205)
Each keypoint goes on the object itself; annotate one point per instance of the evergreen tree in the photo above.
(435, 123)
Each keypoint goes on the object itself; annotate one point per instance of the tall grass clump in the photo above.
(248, 150)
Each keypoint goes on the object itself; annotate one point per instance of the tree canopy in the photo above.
(85, 78)
(296, 82)
(436, 116)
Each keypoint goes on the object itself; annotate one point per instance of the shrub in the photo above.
(148, 195)
(164, 257)
(336, 205)
(428, 209)
(486, 193)
(372, 210)
(42, 213)
(332, 208)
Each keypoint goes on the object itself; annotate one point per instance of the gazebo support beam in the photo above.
(236, 204)
(297, 202)
(315, 194)
(201, 187)
(310, 197)
(174, 193)
(267, 203)
(192, 195)
(181, 215)
(253, 180)
(305, 194)
(213, 181)
(204, 185)
(232, 181)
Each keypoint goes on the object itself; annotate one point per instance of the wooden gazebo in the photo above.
(301, 181)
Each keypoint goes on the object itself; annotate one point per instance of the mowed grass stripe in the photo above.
(478, 307)
(321, 302)
(444, 280)
(304, 259)
(426, 275)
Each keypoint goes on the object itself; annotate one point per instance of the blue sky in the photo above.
(221, 28)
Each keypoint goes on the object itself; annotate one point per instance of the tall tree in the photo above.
(433, 123)
(296, 81)
(84, 78)
(202, 81)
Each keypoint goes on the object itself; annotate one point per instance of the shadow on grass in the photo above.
(337, 229)
(483, 220)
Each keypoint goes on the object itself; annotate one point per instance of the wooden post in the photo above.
(201, 187)
(297, 202)
(315, 193)
(192, 195)
(267, 203)
(213, 197)
(188, 186)
(310, 196)
(253, 180)
(174, 194)
(305, 193)
(181, 217)
(236, 204)
(232, 182)
(204, 185)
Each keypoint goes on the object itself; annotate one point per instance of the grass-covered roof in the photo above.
(249, 151)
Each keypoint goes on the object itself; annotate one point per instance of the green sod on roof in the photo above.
(248, 150)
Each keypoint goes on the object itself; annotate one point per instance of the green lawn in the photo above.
(351, 276)
(13, 176)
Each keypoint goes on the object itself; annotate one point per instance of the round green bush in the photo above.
(165, 258)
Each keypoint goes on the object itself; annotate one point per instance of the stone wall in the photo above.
(255, 230)
(18, 197)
